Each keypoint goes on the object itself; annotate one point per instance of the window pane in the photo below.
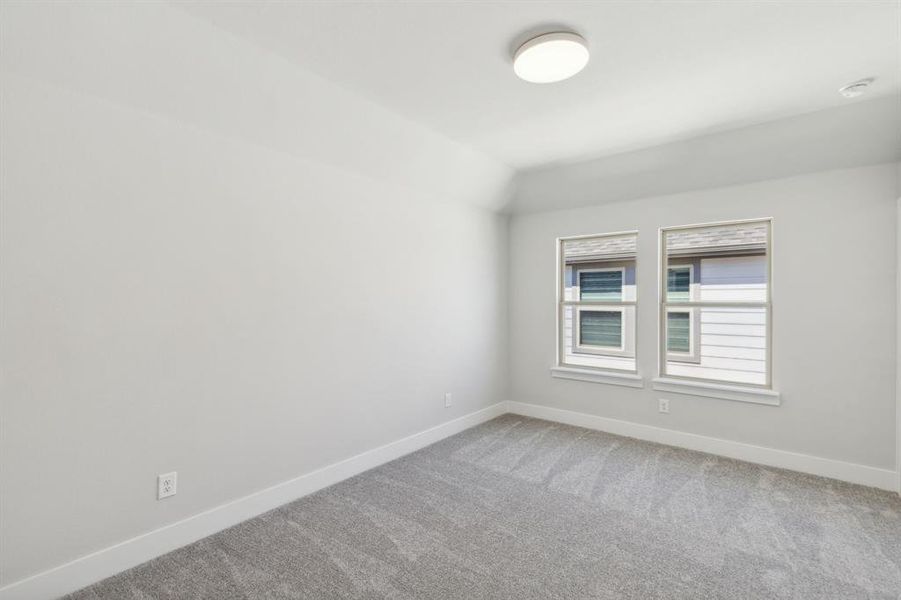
(731, 262)
(734, 279)
(598, 269)
(678, 331)
(601, 328)
(733, 345)
(678, 284)
(616, 353)
(601, 285)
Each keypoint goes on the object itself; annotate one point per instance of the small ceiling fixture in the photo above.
(551, 57)
(858, 88)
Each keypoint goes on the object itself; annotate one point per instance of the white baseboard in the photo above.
(89, 569)
(885, 479)
(93, 567)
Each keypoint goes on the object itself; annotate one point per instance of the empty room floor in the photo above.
(522, 508)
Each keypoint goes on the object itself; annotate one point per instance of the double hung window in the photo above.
(596, 301)
(716, 310)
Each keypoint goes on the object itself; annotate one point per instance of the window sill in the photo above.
(717, 390)
(609, 377)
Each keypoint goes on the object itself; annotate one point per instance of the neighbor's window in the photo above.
(596, 307)
(716, 310)
(682, 342)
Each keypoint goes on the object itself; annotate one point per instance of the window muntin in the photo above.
(678, 327)
(726, 307)
(596, 307)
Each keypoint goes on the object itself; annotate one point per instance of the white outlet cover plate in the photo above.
(448, 400)
(166, 485)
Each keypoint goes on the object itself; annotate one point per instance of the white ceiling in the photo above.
(660, 71)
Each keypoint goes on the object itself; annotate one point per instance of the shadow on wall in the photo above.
(804, 144)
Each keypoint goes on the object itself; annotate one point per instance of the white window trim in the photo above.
(708, 389)
(693, 383)
(611, 377)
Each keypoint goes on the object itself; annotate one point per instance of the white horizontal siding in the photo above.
(732, 340)
(600, 362)
(733, 352)
(686, 370)
(733, 316)
(734, 329)
(736, 294)
(750, 365)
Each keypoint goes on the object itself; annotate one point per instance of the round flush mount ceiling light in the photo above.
(551, 57)
(858, 88)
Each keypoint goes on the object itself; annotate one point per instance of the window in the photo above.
(678, 283)
(716, 309)
(678, 324)
(601, 284)
(596, 302)
(682, 342)
(600, 329)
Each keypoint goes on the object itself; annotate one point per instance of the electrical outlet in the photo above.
(663, 405)
(165, 485)
(448, 400)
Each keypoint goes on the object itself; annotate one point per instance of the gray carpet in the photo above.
(524, 509)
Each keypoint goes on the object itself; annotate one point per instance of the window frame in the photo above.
(664, 306)
(694, 327)
(607, 305)
(694, 337)
(577, 345)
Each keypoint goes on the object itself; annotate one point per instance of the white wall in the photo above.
(864, 132)
(242, 285)
(837, 385)
(216, 263)
(898, 346)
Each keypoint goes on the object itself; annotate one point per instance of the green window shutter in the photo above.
(601, 285)
(678, 331)
(678, 284)
(602, 328)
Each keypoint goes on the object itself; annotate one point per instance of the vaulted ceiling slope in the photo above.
(659, 71)
(862, 133)
(153, 58)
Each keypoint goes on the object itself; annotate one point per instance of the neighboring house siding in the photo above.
(733, 340)
(733, 279)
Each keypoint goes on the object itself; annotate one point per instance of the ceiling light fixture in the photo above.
(858, 88)
(551, 57)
